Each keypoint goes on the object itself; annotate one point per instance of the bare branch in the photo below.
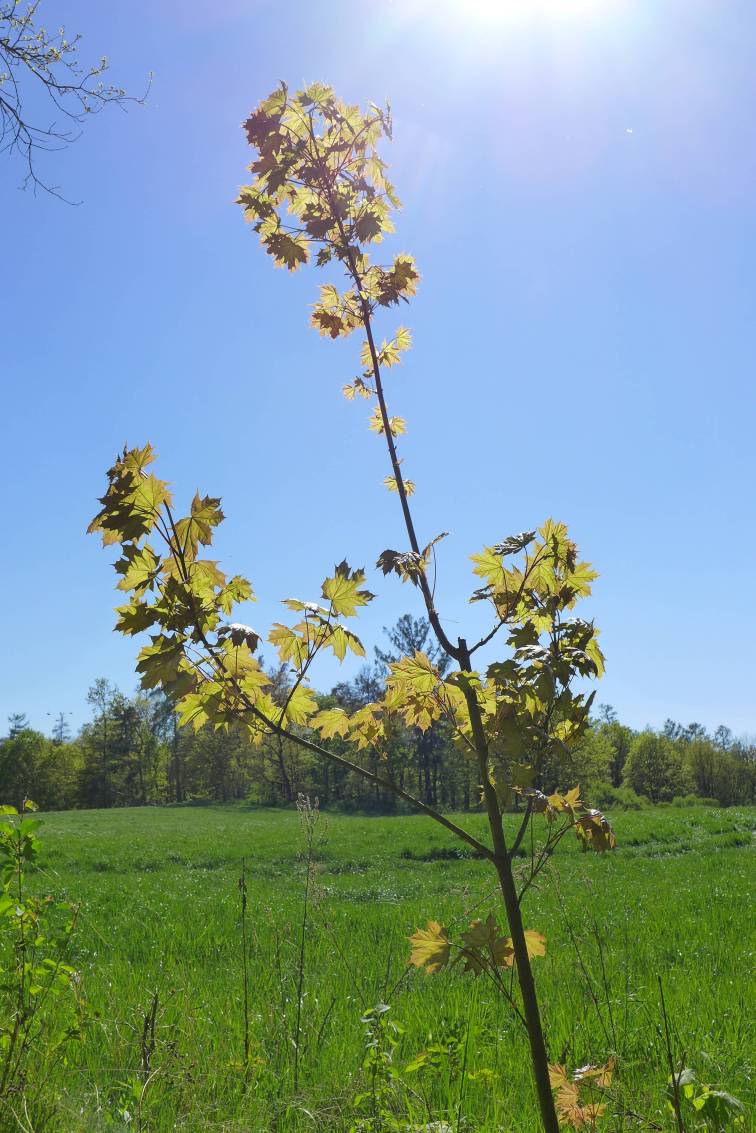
(40, 74)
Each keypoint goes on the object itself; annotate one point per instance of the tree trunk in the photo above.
(503, 862)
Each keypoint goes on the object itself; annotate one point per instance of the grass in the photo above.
(161, 913)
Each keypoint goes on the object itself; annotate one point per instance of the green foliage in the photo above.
(655, 767)
(619, 798)
(30, 763)
(41, 1008)
(206, 664)
(135, 752)
(318, 181)
(705, 1107)
(319, 189)
(375, 1108)
(160, 910)
(481, 947)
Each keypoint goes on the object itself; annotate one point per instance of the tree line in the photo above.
(133, 752)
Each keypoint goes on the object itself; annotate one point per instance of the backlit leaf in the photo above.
(558, 1076)
(343, 590)
(331, 722)
(391, 484)
(397, 425)
(430, 947)
(301, 704)
(535, 942)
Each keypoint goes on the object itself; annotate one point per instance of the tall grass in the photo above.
(160, 916)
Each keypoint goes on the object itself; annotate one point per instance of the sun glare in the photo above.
(503, 12)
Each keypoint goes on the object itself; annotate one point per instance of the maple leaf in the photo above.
(287, 250)
(397, 425)
(150, 494)
(391, 484)
(331, 722)
(339, 639)
(595, 832)
(198, 527)
(292, 646)
(237, 589)
(240, 634)
(343, 591)
(601, 1075)
(315, 95)
(572, 798)
(159, 663)
(237, 660)
(357, 388)
(132, 502)
(328, 322)
(535, 943)
(558, 1075)
(430, 947)
(135, 617)
(407, 564)
(488, 566)
(191, 710)
(417, 674)
(483, 942)
(515, 543)
(139, 566)
(567, 1103)
(301, 704)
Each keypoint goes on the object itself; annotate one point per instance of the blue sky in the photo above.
(579, 183)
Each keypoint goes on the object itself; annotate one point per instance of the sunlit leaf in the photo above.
(343, 590)
(430, 947)
(331, 722)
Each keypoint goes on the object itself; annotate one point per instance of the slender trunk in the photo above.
(503, 864)
(461, 655)
(105, 763)
(178, 786)
(525, 979)
(285, 784)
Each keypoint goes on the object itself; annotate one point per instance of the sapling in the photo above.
(319, 191)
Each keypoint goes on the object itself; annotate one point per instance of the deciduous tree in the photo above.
(655, 767)
(320, 191)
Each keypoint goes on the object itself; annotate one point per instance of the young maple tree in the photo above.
(319, 189)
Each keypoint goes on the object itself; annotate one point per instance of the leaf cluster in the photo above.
(715, 1110)
(578, 1094)
(318, 182)
(319, 189)
(205, 663)
(39, 992)
(482, 947)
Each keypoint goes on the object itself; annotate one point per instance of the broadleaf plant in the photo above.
(319, 192)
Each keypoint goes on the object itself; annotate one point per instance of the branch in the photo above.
(277, 728)
(366, 319)
(523, 827)
(31, 58)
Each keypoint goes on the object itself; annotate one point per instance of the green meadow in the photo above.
(160, 927)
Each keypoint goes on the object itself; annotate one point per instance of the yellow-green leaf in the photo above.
(331, 722)
(391, 484)
(430, 947)
(301, 704)
(343, 591)
(535, 943)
